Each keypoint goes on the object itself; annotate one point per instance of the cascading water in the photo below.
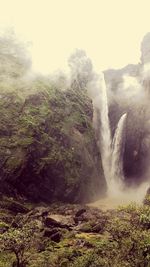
(105, 133)
(111, 151)
(118, 150)
(117, 176)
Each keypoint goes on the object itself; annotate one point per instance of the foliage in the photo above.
(19, 241)
(47, 132)
(124, 242)
(13, 57)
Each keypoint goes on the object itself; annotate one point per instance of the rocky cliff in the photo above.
(128, 90)
(48, 150)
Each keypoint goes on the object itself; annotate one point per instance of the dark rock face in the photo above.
(3, 229)
(50, 232)
(13, 206)
(137, 134)
(48, 150)
(17, 208)
(137, 144)
(56, 237)
(50, 222)
(54, 234)
(80, 212)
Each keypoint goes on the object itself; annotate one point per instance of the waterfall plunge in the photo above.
(111, 150)
(105, 133)
(118, 149)
(116, 172)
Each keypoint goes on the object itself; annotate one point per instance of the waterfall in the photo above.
(105, 133)
(118, 150)
(111, 150)
(117, 176)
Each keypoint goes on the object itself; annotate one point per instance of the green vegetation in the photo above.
(49, 156)
(124, 240)
(46, 147)
(18, 242)
(48, 150)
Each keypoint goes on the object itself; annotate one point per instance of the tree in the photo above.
(14, 59)
(19, 241)
(81, 69)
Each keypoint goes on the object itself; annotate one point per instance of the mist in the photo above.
(131, 96)
(114, 95)
(74, 133)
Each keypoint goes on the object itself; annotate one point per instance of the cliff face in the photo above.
(47, 145)
(132, 98)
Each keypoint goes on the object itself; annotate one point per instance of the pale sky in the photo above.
(110, 31)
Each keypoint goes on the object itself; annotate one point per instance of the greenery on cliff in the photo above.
(47, 146)
(49, 158)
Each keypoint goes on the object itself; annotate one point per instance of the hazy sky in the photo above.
(109, 30)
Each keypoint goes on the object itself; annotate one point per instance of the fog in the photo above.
(83, 53)
(109, 32)
(133, 196)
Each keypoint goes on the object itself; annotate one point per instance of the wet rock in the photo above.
(80, 212)
(44, 213)
(3, 229)
(16, 207)
(80, 243)
(84, 217)
(39, 212)
(76, 220)
(50, 222)
(50, 232)
(56, 237)
(80, 219)
(98, 228)
(60, 221)
(83, 227)
(14, 224)
(88, 244)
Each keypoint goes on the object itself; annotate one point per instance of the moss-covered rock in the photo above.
(47, 147)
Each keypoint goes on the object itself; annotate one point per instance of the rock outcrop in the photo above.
(48, 150)
(132, 98)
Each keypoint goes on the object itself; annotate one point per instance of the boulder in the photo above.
(80, 212)
(59, 221)
(50, 222)
(56, 237)
(49, 232)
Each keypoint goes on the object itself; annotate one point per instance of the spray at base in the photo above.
(111, 149)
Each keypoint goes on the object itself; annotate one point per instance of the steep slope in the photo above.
(47, 146)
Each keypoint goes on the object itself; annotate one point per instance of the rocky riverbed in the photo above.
(74, 235)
